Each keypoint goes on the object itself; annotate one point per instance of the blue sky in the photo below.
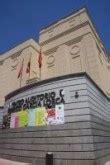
(23, 19)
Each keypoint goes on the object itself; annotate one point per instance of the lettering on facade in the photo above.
(47, 108)
(47, 100)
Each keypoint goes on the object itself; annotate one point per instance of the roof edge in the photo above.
(81, 74)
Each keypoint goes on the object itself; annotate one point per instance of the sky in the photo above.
(21, 20)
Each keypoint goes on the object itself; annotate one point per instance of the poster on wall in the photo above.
(40, 116)
(59, 114)
(19, 119)
(23, 118)
(31, 117)
(14, 120)
(28, 111)
(51, 113)
(55, 115)
(51, 116)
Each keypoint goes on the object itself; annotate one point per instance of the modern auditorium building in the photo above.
(63, 105)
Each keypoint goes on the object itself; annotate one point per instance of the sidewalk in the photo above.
(9, 162)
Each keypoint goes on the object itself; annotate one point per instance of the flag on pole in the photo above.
(28, 66)
(40, 59)
(21, 69)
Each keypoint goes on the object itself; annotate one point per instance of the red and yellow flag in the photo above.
(21, 69)
(28, 66)
(40, 59)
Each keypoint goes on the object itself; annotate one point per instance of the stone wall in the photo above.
(100, 122)
(1, 116)
(84, 137)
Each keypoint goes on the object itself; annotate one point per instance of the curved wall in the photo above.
(82, 139)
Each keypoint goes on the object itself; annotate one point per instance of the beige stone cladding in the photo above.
(72, 45)
(10, 65)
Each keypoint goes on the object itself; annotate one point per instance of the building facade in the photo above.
(65, 105)
(82, 137)
(70, 45)
(11, 63)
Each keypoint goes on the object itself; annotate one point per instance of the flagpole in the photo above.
(20, 80)
(21, 73)
(40, 63)
(40, 73)
(30, 66)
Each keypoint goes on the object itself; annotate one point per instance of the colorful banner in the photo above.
(40, 116)
(55, 115)
(31, 117)
(51, 114)
(59, 114)
(23, 118)
(13, 120)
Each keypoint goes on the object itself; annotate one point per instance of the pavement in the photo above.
(9, 162)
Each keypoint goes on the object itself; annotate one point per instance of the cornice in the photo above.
(68, 43)
(14, 55)
(55, 79)
(64, 33)
(74, 41)
(63, 20)
(50, 51)
(88, 22)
